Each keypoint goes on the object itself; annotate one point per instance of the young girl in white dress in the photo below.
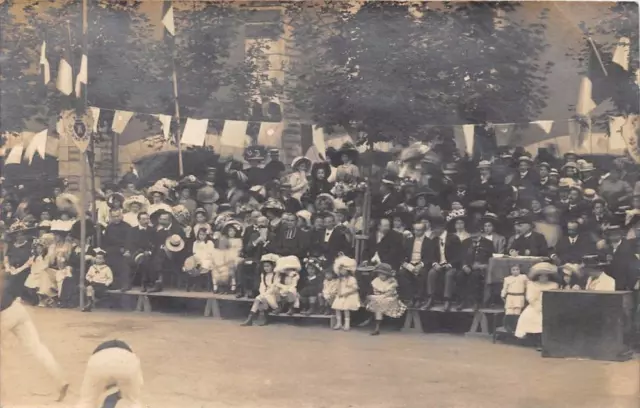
(288, 269)
(384, 301)
(200, 263)
(530, 321)
(513, 294)
(41, 277)
(347, 297)
(268, 294)
(223, 266)
(298, 179)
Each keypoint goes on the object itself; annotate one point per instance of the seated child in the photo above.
(570, 277)
(384, 301)
(223, 265)
(288, 268)
(40, 279)
(329, 291)
(513, 293)
(312, 287)
(267, 295)
(61, 272)
(98, 279)
(199, 264)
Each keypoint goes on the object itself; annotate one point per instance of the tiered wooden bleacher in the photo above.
(479, 325)
(212, 302)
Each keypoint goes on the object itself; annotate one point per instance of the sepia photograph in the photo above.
(319, 204)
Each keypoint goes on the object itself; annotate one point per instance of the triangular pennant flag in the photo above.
(15, 155)
(37, 144)
(168, 21)
(65, 77)
(120, 120)
(504, 133)
(468, 132)
(95, 113)
(82, 77)
(545, 125)
(270, 134)
(234, 134)
(194, 132)
(458, 137)
(45, 69)
(165, 120)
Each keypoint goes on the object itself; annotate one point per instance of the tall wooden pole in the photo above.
(83, 175)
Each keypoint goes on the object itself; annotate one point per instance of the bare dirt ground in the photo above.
(197, 362)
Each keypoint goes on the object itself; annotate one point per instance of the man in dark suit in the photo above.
(576, 207)
(289, 239)
(330, 241)
(412, 276)
(529, 242)
(116, 242)
(620, 255)
(385, 246)
(446, 259)
(253, 248)
(572, 247)
(477, 252)
(525, 180)
(141, 247)
(387, 200)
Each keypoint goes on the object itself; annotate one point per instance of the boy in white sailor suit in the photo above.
(99, 277)
(112, 364)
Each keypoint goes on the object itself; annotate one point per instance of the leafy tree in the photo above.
(388, 70)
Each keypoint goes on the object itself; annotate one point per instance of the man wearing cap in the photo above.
(255, 174)
(529, 242)
(589, 180)
(116, 240)
(412, 275)
(525, 180)
(387, 200)
(485, 187)
(620, 255)
(291, 204)
(274, 168)
(598, 279)
(476, 254)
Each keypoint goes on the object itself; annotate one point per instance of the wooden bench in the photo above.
(479, 324)
(211, 307)
(212, 302)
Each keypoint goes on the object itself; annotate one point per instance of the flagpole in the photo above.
(83, 176)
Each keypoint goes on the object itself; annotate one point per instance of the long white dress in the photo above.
(530, 321)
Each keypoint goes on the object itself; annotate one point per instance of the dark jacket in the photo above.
(337, 243)
(573, 253)
(622, 265)
(390, 249)
(480, 253)
(533, 245)
(426, 251)
(383, 205)
(281, 245)
(452, 250)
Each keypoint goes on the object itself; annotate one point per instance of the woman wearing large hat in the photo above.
(159, 197)
(237, 184)
(298, 178)
(325, 203)
(133, 206)
(490, 225)
(320, 172)
(68, 203)
(347, 158)
(457, 223)
(541, 277)
(186, 187)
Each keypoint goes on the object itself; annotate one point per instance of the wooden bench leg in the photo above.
(412, 321)
(143, 304)
(479, 322)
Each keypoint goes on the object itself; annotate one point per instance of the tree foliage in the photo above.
(389, 70)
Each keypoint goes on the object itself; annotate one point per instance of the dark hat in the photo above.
(425, 192)
(613, 228)
(109, 186)
(190, 181)
(389, 178)
(75, 228)
(402, 212)
(545, 164)
(490, 217)
(115, 197)
(523, 219)
(593, 261)
(201, 210)
(450, 168)
(324, 165)
(274, 151)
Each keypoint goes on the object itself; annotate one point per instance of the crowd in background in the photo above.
(285, 235)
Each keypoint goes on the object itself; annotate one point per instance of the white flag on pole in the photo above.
(469, 137)
(168, 21)
(195, 132)
(37, 144)
(95, 113)
(165, 120)
(65, 77)
(120, 120)
(621, 53)
(319, 140)
(15, 155)
(545, 125)
(234, 133)
(82, 77)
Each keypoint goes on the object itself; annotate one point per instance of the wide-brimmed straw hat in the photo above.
(158, 189)
(543, 268)
(136, 199)
(272, 205)
(19, 227)
(384, 269)
(344, 262)
(299, 161)
(69, 203)
(273, 258)
(232, 224)
(174, 243)
(287, 262)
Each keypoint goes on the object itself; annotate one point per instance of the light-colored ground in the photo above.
(197, 362)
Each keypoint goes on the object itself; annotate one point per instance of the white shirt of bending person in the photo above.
(603, 283)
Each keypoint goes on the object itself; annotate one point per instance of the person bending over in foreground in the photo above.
(112, 365)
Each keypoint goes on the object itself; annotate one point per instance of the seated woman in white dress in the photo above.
(530, 321)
